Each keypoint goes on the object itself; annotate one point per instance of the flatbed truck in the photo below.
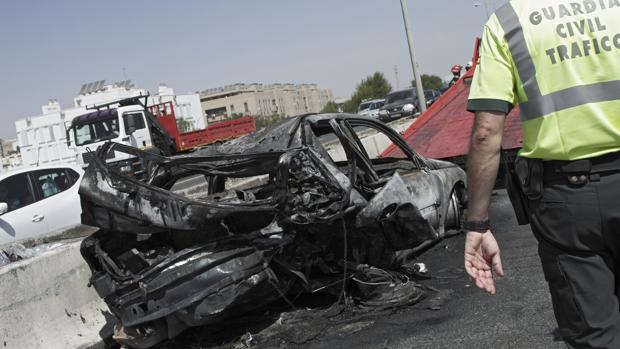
(132, 122)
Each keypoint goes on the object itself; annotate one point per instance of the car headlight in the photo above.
(408, 108)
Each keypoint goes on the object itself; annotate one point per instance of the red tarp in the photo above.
(444, 130)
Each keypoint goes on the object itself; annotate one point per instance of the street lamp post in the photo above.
(414, 64)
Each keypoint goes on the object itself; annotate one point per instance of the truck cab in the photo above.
(154, 129)
(126, 123)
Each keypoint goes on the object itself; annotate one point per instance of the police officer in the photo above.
(560, 61)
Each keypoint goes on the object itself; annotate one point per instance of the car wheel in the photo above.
(454, 216)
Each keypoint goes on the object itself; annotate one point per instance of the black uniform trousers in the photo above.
(578, 230)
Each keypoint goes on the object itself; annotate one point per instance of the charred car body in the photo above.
(286, 210)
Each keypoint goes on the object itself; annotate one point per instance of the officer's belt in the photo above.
(601, 165)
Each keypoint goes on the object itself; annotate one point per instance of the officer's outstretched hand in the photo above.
(482, 259)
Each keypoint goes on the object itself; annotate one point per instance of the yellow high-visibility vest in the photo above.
(560, 61)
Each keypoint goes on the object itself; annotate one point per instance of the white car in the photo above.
(370, 108)
(37, 201)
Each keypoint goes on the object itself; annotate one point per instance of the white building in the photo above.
(185, 106)
(42, 139)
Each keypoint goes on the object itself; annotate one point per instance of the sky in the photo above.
(50, 48)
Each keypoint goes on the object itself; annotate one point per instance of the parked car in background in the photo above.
(399, 104)
(37, 201)
(370, 107)
(431, 96)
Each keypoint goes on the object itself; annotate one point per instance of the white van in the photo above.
(370, 107)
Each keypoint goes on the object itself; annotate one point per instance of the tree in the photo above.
(430, 82)
(374, 86)
(351, 105)
(330, 107)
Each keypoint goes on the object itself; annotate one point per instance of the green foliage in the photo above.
(330, 107)
(351, 105)
(374, 86)
(430, 82)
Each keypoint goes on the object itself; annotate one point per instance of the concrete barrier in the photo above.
(45, 302)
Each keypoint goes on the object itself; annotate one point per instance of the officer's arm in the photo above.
(483, 162)
(482, 255)
(491, 96)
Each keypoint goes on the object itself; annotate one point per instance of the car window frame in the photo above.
(357, 142)
(39, 192)
(359, 107)
(73, 175)
(143, 123)
(392, 136)
(351, 146)
(31, 186)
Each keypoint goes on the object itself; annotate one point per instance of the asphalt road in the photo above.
(518, 316)
(455, 314)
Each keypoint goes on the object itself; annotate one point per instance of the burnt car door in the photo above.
(425, 186)
(401, 194)
(421, 186)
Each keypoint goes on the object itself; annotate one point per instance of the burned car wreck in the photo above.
(307, 205)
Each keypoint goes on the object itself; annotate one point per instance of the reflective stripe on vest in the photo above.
(539, 105)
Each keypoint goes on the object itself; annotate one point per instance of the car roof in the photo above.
(373, 101)
(276, 138)
(403, 90)
(26, 169)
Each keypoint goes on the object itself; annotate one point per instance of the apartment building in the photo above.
(263, 100)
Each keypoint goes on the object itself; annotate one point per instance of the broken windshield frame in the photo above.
(396, 140)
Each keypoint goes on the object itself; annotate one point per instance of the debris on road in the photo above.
(420, 268)
(300, 223)
(4, 259)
